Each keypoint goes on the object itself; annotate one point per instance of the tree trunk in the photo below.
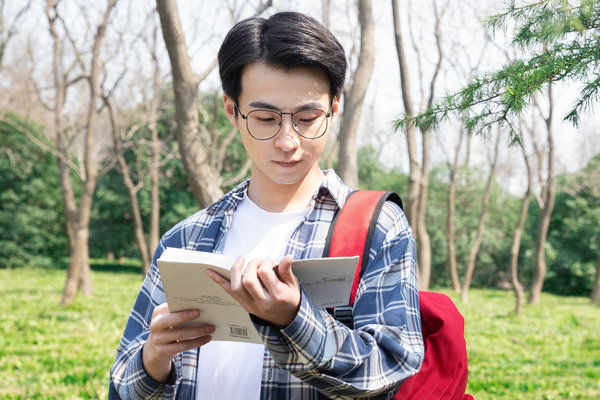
(451, 234)
(423, 238)
(516, 244)
(418, 179)
(130, 186)
(414, 176)
(204, 180)
(464, 295)
(347, 157)
(154, 234)
(546, 209)
(596, 291)
(77, 216)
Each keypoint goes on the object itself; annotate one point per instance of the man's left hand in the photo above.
(271, 293)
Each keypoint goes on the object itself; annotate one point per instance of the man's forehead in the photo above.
(274, 87)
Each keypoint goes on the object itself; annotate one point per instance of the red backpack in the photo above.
(444, 372)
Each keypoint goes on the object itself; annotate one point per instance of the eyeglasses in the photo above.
(266, 124)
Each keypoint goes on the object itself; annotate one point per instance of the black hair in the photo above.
(287, 40)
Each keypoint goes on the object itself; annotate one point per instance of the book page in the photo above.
(188, 287)
(328, 281)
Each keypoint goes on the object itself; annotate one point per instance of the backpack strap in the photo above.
(351, 233)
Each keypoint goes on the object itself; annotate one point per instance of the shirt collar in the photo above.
(331, 185)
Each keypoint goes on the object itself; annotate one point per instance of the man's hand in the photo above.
(165, 341)
(271, 294)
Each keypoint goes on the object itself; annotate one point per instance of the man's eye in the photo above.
(265, 118)
(307, 120)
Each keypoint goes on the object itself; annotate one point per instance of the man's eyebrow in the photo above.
(311, 105)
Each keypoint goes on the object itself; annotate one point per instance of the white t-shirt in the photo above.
(233, 370)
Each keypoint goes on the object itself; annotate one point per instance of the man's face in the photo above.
(287, 158)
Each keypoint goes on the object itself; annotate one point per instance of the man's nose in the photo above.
(287, 138)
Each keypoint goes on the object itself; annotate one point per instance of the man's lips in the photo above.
(287, 164)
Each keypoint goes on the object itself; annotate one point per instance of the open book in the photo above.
(327, 280)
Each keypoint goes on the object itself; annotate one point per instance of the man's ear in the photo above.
(230, 110)
(335, 109)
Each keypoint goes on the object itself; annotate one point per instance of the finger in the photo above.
(163, 320)
(285, 271)
(251, 282)
(169, 349)
(236, 272)
(219, 280)
(160, 309)
(267, 274)
(184, 345)
(182, 334)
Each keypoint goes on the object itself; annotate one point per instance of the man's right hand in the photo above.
(165, 340)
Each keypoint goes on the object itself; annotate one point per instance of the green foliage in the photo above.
(573, 233)
(214, 118)
(373, 175)
(492, 260)
(562, 39)
(53, 352)
(31, 212)
(111, 228)
(494, 252)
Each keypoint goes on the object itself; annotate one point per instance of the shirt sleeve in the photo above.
(128, 378)
(384, 348)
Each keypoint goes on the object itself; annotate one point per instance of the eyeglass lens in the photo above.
(265, 124)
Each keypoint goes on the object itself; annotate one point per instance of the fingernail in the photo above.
(209, 329)
(194, 313)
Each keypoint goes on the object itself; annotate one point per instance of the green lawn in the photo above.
(48, 351)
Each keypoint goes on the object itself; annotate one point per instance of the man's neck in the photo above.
(276, 197)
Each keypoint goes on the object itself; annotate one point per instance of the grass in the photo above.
(50, 352)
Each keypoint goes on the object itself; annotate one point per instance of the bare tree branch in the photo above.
(44, 147)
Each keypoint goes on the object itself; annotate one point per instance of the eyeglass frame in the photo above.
(281, 114)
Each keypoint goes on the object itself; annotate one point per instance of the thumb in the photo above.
(284, 270)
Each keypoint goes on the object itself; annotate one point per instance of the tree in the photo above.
(205, 182)
(130, 138)
(568, 37)
(546, 200)
(354, 96)
(518, 231)
(481, 225)
(77, 211)
(7, 31)
(568, 34)
(416, 208)
(204, 179)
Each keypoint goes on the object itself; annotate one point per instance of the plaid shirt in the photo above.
(315, 356)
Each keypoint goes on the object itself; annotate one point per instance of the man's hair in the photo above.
(287, 40)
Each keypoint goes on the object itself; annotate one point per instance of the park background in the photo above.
(112, 130)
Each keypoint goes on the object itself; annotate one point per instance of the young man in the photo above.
(282, 80)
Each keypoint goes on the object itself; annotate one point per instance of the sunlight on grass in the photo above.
(50, 352)
(550, 352)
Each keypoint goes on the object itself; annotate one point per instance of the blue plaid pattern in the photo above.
(315, 357)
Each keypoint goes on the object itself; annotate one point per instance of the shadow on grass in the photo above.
(126, 266)
(116, 268)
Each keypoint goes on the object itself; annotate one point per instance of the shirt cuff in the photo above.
(150, 386)
(304, 337)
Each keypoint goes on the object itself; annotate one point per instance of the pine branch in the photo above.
(569, 53)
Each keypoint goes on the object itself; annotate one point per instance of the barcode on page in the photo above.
(238, 331)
